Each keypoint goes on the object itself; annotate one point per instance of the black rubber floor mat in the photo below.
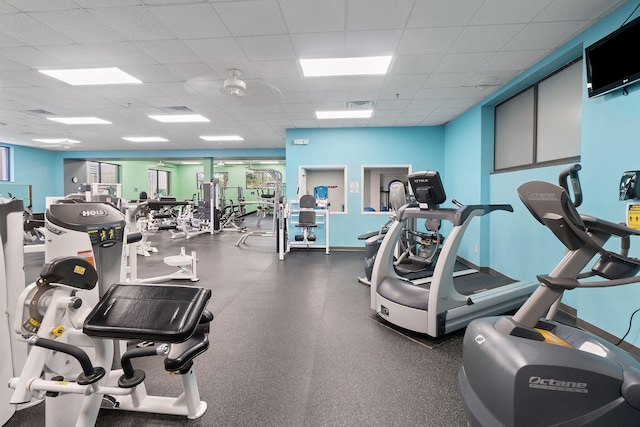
(422, 339)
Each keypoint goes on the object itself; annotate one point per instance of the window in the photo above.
(158, 183)
(5, 167)
(104, 173)
(258, 180)
(541, 125)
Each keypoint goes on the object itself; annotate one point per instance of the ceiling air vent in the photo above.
(177, 109)
(360, 105)
(40, 112)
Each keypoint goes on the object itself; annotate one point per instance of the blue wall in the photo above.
(422, 147)
(40, 169)
(517, 244)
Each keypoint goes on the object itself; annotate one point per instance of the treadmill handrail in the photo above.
(456, 216)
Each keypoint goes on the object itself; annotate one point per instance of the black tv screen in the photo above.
(614, 62)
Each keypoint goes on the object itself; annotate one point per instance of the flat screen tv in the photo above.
(614, 61)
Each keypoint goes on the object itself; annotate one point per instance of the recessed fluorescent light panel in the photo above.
(180, 118)
(189, 162)
(145, 139)
(79, 120)
(233, 162)
(269, 162)
(92, 76)
(345, 114)
(371, 65)
(57, 141)
(222, 138)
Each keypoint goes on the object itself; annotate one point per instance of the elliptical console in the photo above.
(526, 371)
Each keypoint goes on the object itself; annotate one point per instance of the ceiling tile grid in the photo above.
(444, 53)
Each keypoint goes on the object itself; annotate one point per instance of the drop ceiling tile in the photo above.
(168, 51)
(372, 43)
(77, 56)
(397, 94)
(8, 82)
(382, 121)
(377, 14)
(391, 104)
(278, 69)
(458, 104)
(192, 21)
(571, 10)
(438, 13)
(447, 79)
(119, 53)
(319, 45)
(422, 105)
(422, 41)
(508, 11)
(8, 65)
(151, 73)
(251, 18)
(79, 25)
(462, 62)
(415, 64)
(28, 30)
(133, 23)
(485, 38)
(301, 108)
(89, 4)
(296, 97)
(30, 57)
(545, 35)
(192, 70)
(312, 16)
(37, 5)
(449, 93)
(513, 60)
(267, 48)
(394, 82)
(6, 41)
(31, 77)
(304, 124)
(7, 8)
(214, 51)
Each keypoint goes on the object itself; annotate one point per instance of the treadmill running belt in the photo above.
(477, 282)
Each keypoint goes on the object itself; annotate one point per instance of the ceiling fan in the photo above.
(233, 85)
(65, 142)
(160, 164)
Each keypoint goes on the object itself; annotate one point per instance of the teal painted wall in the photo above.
(39, 168)
(351, 148)
(517, 244)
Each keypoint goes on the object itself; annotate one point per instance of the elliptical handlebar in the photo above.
(572, 172)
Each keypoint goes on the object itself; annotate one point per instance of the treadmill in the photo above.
(451, 297)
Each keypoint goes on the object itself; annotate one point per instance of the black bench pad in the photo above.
(148, 312)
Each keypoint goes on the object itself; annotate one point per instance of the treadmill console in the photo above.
(427, 189)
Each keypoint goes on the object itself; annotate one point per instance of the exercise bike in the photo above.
(77, 360)
(528, 371)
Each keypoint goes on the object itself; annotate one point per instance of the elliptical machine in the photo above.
(524, 371)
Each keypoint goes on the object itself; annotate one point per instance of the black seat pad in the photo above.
(159, 313)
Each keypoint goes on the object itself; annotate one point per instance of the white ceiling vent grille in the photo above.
(40, 112)
(360, 105)
(177, 109)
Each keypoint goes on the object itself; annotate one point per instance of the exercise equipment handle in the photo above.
(572, 173)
